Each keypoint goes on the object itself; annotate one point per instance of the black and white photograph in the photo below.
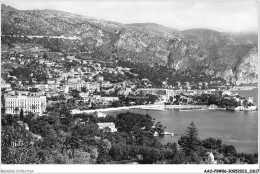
(129, 84)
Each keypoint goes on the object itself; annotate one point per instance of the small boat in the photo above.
(168, 133)
(156, 134)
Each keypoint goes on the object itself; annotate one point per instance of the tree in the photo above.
(159, 128)
(104, 149)
(214, 99)
(105, 146)
(194, 158)
(72, 143)
(89, 130)
(229, 150)
(29, 118)
(117, 151)
(17, 146)
(145, 138)
(190, 141)
(127, 122)
(66, 117)
(171, 146)
(75, 93)
(45, 55)
(115, 104)
(153, 98)
(80, 157)
(149, 155)
(212, 143)
(171, 99)
(83, 89)
(21, 115)
(33, 107)
(245, 103)
(16, 110)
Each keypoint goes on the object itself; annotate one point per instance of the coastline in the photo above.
(159, 108)
(243, 88)
(151, 107)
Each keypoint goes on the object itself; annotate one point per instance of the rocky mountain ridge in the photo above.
(196, 49)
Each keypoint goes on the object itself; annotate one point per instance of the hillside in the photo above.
(205, 50)
(246, 37)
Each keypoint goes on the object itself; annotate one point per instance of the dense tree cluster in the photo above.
(127, 122)
(216, 99)
(17, 147)
(115, 78)
(196, 150)
(61, 138)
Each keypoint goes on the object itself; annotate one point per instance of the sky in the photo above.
(219, 15)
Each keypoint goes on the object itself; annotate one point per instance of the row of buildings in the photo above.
(35, 102)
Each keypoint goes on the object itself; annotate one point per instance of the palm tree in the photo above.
(33, 107)
(16, 110)
(21, 115)
(190, 141)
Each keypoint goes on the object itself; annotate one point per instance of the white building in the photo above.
(5, 85)
(66, 89)
(229, 93)
(156, 91)
(78, 85)
(109, 126)
(42, 87)
(50, 81)
(34, 104)
(250, 100)
(125, 92)
(99, 114)
(109, 99)
(105, 84)
(89, 86)
(84, 95)
(94, 87)
(211, 159)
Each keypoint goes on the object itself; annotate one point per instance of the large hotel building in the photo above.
(31, 103)
(156, 91)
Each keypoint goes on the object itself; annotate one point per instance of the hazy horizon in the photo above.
(230, 16)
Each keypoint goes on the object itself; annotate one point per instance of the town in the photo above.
(34, 79)
(38, 83)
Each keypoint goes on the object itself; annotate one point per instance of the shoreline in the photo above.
(159, 108)
(243, 88)
(151, 107)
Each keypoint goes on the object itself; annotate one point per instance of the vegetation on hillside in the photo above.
(198, 50)
(68, 139)
(160, 73)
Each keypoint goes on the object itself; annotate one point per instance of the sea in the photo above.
(238, 128)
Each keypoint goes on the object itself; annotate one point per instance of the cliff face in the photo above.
(196, 49)
(247, 71)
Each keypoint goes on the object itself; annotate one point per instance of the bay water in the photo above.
(238, 128)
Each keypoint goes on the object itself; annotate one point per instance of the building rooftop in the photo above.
(108, 124)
